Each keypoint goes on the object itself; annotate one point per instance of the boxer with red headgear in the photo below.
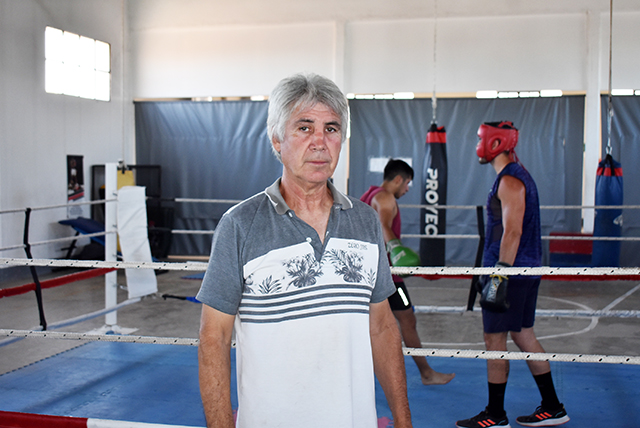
(495, 138)
(509, 303)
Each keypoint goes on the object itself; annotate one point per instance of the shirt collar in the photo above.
(281, 207)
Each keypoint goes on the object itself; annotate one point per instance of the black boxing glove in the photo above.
(494, 291)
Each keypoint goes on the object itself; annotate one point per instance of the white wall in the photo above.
(38, 130)
(503, 53)
(626, 50)
(471, 54)
(227, 61)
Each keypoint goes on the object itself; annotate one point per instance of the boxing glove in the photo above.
(402, 256)
(494, 291)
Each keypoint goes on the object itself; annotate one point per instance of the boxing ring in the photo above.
(109, 379)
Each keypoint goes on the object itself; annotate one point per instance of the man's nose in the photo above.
(318, 140)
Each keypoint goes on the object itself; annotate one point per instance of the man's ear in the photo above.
(398, 180)
(275, 143)
(495, 143)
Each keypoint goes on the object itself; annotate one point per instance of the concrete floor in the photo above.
(155, 316)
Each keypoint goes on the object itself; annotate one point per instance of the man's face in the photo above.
(403, 188)
(481, 160)
(311, 144)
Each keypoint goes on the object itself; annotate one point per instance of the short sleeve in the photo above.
(223, 282)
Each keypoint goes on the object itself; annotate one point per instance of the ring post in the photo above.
(473, 291)
(110, 240)
(34, 274)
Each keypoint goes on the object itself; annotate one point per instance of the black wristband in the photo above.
(502, 264)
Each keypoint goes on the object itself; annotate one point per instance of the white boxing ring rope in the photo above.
(422, 270)
(57, 240)
(427, 352)
(235, 201)
(544, 238)
(542, 207)
(442, 207)
(434, 270)
(569, 313)
(451, 353)
(67, 205)
(444, 271)
(404, 235)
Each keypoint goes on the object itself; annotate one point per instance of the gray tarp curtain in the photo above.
(625, 148)
(216, 150)
(220, 150)
(550, 147)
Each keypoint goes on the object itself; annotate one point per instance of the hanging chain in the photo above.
(434, 100)
(610, 98)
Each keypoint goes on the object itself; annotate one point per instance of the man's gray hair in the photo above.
(304, 91)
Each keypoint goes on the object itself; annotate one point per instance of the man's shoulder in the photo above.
(359, 205)
(247, 207)
(384, 197)
(511, 180)
(517, 174)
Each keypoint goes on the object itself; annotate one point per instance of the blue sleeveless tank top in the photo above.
(530, 249)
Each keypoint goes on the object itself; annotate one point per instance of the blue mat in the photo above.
(159, 384)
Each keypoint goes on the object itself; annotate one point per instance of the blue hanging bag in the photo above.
(608, 222)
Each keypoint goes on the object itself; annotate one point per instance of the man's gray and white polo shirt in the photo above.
(303, 354)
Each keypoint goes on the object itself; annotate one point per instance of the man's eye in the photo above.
(332, 129)
(304, 128)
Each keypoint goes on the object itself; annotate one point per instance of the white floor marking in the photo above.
(591, 326)
(621, 298)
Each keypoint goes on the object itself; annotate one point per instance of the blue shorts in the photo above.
(522, 294)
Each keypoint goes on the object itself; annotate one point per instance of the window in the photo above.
(76, 65)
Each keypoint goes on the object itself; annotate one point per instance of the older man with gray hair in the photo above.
(300, 272)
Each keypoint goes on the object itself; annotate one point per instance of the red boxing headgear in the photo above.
(504, 132)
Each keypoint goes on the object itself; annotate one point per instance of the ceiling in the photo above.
(149, 14)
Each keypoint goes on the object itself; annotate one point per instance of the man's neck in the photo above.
(388, 186)
(307, 198)
(500, 161)
(312, 204)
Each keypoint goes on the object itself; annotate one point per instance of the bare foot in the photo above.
(437, 378)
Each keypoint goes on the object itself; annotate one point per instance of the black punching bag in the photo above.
(434, 192)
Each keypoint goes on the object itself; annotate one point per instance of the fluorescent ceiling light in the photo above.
(258, 97)
(383, 96)
(351, 96)
(507, 95)
(364, 97)
(487, 94)
(551, 93)
(404, 95)
(622, 92)
(530, 94)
